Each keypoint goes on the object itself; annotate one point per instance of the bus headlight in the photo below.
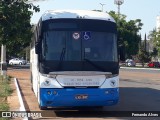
(47, 82)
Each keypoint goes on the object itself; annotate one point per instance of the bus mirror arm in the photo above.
(37, 48)
(122, 58)
(121, 53)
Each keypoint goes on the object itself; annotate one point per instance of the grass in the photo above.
(5, 90)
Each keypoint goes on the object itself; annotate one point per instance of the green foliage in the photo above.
(25, 53)
(98, 10)
(5, 90)
(154, 53)
(128, 33)
(154, 37)
(15, 28)
(4, 107)
(143, 56)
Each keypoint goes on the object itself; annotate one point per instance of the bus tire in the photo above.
(42, 107)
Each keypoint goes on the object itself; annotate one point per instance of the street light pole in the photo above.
(102, 5)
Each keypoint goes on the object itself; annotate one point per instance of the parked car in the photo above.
(130, 62)
(17, 61)
(154, 64)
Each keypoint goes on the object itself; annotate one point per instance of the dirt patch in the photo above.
(18, 73)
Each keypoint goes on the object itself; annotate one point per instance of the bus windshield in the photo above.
(79, 45)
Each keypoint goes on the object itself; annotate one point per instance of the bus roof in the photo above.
(83, 14)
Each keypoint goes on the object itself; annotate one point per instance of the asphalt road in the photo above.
(139, 90)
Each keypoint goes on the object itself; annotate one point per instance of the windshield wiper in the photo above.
(62, 54)
(93, 64)
(61, 58)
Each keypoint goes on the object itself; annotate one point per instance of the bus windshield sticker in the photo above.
(76, 35)
(87, 50)
(87, 35)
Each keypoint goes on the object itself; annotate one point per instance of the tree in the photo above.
(15, 27)
(154, 53)
(128, 36)
(154, 37)
(143, 56)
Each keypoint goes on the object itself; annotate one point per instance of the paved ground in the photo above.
(30, 100)
(139, 91)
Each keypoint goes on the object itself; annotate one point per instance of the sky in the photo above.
(146, 10)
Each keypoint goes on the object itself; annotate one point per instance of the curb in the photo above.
(140, 68)
(22, 108)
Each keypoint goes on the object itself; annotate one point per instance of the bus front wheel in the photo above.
(42, 107)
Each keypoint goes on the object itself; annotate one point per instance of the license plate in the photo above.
(81, 97)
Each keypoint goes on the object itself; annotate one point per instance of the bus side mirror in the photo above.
(37, 48)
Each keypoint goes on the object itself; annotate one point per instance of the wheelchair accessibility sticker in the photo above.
(87, 35)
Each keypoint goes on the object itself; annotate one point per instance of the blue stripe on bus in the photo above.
(50, 97)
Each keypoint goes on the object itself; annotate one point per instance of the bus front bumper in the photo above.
(76, 97)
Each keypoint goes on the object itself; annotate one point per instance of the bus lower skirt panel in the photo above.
(50, 97)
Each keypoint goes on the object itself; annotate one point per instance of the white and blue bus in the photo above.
(74, 59)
